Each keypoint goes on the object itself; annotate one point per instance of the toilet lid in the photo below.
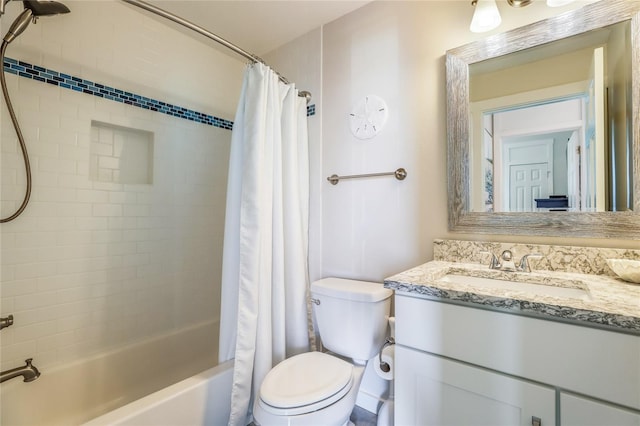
(309, 379)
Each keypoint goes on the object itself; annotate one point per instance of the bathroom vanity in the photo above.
(468, 353)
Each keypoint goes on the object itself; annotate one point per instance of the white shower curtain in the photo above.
(264, 276)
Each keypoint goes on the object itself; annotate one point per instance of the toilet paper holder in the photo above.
(385, 367)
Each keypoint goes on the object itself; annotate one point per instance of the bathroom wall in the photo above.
(569, 68)
(93, 265)
(373, 228)
(376, 227)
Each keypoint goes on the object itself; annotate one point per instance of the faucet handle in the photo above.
(495, 262)
(507, 255)
(6, 321)
(507, 263)
(524, 262)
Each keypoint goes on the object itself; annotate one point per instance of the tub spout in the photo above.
(28, 372)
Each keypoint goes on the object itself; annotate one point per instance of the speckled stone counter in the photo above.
(607, 302)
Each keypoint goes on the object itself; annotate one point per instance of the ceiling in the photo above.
(257, 26)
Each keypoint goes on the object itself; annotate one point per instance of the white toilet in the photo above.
(317, 388)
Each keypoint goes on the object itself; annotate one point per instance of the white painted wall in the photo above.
(93, 266)
(376, 227)
(372, 228)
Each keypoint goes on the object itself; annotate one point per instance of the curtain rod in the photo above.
(170, 16)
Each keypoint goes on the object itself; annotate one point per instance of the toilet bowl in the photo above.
(313, 388)
(318, 388)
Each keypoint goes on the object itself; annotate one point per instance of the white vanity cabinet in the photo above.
(432, 390)
(579, 411)
(460, 365)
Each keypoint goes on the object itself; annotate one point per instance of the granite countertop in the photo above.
(610, 303)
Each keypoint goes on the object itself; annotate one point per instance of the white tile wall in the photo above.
(120, 155)
(94, 265)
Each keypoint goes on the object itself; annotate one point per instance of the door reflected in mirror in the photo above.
(551, 126)
(537, 158)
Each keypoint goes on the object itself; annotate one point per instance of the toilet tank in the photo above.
(352, 316)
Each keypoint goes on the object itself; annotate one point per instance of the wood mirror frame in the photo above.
(622, 225)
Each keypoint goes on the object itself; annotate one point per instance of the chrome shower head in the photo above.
(33, 10)
(19, 25)
(45, 7)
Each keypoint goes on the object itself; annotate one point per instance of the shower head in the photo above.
(19, 25)
(45, 8)
(33, 10)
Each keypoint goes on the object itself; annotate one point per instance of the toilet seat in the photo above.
(305, 383)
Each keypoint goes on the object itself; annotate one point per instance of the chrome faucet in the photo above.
(8, 320)
(524, 266)
(503, 263)
(506, 263)
(495, 262)
(28, 372)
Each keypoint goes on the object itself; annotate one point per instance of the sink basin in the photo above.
(570, 289)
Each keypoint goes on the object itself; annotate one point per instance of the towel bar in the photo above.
(400, 174)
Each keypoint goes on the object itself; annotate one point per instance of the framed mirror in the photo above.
(593, 184)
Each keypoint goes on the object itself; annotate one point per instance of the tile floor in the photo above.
(359, 417)
(362, 417)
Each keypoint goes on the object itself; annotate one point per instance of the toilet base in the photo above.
(386, 413)
(336, 414)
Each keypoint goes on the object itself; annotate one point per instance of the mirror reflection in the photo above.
(550, 126)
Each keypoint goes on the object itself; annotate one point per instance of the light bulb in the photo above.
(486, 16)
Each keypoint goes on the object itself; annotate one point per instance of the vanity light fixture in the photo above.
(519, 3)
(486, 16)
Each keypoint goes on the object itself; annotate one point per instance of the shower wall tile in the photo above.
(94, 266)
(88, 87)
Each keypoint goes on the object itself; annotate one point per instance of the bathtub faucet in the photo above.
(29, 372)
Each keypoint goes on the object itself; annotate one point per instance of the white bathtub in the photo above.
(204, 399)
(78, 392)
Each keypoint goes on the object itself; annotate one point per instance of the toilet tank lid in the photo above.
(342, 288)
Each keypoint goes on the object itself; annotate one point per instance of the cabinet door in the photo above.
(431, 390)
(550, 352)
(577, 411)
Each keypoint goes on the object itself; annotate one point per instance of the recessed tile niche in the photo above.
(120, 154)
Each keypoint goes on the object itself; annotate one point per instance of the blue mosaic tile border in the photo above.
(34, 72)
(66, 81)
